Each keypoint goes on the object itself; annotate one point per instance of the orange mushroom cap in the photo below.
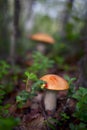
(42, 38)
(55, 82)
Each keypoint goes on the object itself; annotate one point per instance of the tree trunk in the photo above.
(15, 31)
(82, 80)
(27, 13)
(4, 35)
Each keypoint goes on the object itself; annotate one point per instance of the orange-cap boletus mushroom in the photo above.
(54, 83)
(42, 38)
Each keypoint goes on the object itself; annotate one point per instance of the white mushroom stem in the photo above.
(41, 47)
(50, 100)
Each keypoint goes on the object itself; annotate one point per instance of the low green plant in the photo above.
(80, 126)
(6, 81)
(4, 68)
(81, 107)
(30, 91)
(4, 112)
(60, 61)
(21, 98)
(51, 123)
(40, 64)
(71, 81)
(80, 112)
(8, 123)
(64, 116)
(6, 85)
(29, 77)
(36, 82)
(2, 94)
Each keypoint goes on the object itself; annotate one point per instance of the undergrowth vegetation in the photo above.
(77, 119)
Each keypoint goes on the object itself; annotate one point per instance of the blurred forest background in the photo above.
(65, 21)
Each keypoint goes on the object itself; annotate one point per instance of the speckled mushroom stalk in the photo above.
(54, 83)
(50, 100)
(41, 47)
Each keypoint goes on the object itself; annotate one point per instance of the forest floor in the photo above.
(32, 114)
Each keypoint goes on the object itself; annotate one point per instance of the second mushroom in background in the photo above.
(42, 40)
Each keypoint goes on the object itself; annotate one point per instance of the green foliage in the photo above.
(50, 125)
(60, 61)
(80, 126)
(6, 86)
(2, 93)
(40, 64)
(70, 80)
(50, 122)
(64, 116)
(71, 34)
(31, 76)
(21, 98)
(81, 93)
(59, 48)
(71, 90)
(24, 95)
(4, 110)
(8, 123)
(6, 81)
(4, 67)
(81, 106)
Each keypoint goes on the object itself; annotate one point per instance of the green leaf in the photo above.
(8, 123)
